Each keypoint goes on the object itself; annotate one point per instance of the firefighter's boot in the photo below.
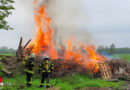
(48, 86)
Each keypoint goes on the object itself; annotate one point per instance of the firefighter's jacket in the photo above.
(29, 66)
(25, 60)
(46, 67)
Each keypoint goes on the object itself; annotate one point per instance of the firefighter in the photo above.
(29, 65)
(46, 67)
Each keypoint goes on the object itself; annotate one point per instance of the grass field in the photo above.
(6, 54)
(125, 56)
(66, 83)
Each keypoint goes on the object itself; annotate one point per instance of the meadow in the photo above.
(125, 56)
(71, 82)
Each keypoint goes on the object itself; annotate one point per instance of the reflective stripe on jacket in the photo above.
(29, 65)
(29, 71)
(46, 67)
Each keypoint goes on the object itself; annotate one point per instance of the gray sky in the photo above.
(108, 21)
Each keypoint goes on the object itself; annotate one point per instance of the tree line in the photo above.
(6, 50)
(113, 50)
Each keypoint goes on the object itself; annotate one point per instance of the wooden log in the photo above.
(10, 74)
(21, 52)
(12, 62)
(20, 43)
(26, 44)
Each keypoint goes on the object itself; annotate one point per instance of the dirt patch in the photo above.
(95, 88)
(54, 88)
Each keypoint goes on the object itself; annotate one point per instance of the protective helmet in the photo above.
(32, 55)
(46, 58)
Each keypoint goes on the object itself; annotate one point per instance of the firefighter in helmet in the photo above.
(46, 67)
(29, 69)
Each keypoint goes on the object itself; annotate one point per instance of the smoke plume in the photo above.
(68, 18)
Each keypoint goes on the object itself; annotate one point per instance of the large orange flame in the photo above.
(44, 44)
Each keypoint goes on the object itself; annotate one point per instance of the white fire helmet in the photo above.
(46, 57)
(32, 55)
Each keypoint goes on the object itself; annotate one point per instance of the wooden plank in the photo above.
(105, 70)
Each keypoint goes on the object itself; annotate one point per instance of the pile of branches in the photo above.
(10, 64)
(120, 69)
(65, 67)
(69, 67)
(62, 67)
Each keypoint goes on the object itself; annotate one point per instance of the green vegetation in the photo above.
(112, 50)
(125, 56)
(122, 50)
(107, 49)
(7, 51)
(4, 55)
(66, 83)
(5, 7)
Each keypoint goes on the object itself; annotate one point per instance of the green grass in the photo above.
(6, 55)
(66, 83)
(125, 56)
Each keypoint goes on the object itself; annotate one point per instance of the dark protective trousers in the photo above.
(45, 76)
(29, 79)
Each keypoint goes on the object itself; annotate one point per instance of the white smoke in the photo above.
(68, 17)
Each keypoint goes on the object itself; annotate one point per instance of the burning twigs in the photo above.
(67, 67)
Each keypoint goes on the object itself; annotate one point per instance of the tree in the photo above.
(5, 11)
(100, 49)
(112, 49)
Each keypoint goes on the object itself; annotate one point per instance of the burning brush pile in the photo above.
(66, 57)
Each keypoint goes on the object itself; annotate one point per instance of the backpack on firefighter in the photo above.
(46, 67)
(29, 69)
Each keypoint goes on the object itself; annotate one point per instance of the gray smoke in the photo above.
(68, 17)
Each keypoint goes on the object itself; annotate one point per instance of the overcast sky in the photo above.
(108, 22)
